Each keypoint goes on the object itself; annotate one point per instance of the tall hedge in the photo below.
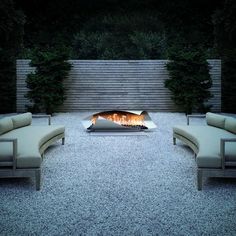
(46, 88)
(190, 80)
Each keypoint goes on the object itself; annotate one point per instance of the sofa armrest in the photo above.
(223, 141)
(194, 116)
(14, 150)
(43, 116)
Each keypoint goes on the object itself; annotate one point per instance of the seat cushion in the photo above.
(207, 139)
(6, 125)
(21, 120)
(29, 141)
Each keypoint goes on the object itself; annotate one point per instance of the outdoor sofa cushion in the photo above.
(230, 125)
(215, 120)
(207, 140)
(5, 125)
(29, 141)
(21, 120)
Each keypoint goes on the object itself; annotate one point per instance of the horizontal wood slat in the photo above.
(117, 84)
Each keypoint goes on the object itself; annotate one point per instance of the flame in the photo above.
(121, 118)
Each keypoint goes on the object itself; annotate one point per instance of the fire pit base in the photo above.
(119, 121)
(122, 133)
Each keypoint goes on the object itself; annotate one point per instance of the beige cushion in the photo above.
(29, 141)
(21, 120)
(6, 125)
(230, 124)
(215, 120)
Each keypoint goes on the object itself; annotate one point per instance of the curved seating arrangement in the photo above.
(214, 145)
(22, 145)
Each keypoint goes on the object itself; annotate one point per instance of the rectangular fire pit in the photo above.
(119, 121)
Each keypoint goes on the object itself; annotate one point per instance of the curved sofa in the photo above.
(214, 145)
(22, 145)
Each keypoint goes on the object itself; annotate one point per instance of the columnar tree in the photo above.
(46, 88)
(189, 80)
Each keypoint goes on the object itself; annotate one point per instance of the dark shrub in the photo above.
(189, 80)
(46, 89)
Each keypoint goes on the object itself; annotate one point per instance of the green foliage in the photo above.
(189, 79)
(136, 45)
(121, 37)
(46, 89)
(225, 40)
(91, 45)
(229, 81)
(106, 29)
(11, 33)
(224, 20)
(149, 45)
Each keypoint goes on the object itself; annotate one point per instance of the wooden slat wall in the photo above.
(117, 84)
(22, 70)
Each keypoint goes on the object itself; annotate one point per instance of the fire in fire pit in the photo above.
(119, 121)
(121, 118)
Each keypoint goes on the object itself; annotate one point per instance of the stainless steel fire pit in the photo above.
(119, 121)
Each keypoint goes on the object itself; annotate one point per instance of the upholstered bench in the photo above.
(22, 145)
(214, 145)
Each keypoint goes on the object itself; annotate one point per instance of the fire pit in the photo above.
(119, 121)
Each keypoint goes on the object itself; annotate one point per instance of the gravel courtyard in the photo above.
(118, 185)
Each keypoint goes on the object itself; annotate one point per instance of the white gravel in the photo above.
(118, 185)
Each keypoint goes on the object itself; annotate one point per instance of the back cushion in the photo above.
(5, 125)
(21, 120)
(230, 124)
(215, 120)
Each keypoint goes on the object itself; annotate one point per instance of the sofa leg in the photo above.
(199, 179)
(38, 179)
(63, 141)
(174, 140)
